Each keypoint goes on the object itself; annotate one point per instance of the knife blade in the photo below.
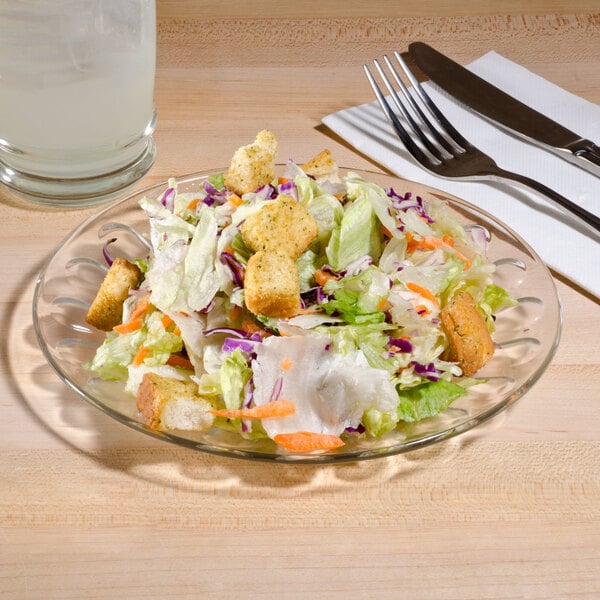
(492, 103)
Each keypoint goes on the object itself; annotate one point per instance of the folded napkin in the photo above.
(559, 240)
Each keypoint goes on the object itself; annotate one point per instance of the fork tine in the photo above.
(448, 145)
(402, 133)
(435, 112)
(417, 130)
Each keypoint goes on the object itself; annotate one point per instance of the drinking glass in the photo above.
(76, 97)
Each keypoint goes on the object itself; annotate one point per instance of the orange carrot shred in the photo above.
(176, 360)
(383, 304)
(423, 292)
(166, 321)
(286, 364)
(129, 327)
(235, 200)
(140, 355)
(466, 259)
(194, 203)
(235, 312)
(272, 410)
(386, 232)
(422, 310)
(251, 327)
(322, 277)
(304, 441)
(140, 307)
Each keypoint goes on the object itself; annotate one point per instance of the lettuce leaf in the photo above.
(356, 236)
(427, 399)
(233, 376)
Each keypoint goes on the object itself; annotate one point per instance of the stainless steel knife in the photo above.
(504, 110)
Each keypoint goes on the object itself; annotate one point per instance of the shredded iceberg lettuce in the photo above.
(366, 353)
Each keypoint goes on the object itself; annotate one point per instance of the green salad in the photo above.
(368, 347)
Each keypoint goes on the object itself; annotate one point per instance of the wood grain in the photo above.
(92, 509)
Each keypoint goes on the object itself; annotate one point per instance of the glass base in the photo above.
(77, 192)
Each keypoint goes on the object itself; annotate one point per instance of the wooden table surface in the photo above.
(92, 509)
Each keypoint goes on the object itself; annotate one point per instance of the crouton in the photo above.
(272, 285)
(253, 166)
(322, 166)
(282, 225)
(167, 403)
(471, 345)
(106, 310)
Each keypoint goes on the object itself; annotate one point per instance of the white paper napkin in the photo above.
(559, 240)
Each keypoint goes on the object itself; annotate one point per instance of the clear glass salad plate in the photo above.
(526, 334)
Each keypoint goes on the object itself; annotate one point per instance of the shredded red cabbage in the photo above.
(428, 371)
(289, 188)
(266, 192)
(107, 257)
(235, 266)
(168, 199)
(230, 344)
(402, 344)
(407, 202)
(213, 195)
(277, 386)
(314, 295)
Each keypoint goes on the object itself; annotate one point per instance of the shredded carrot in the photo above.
(228, 249)
(140, 355)
(140, 307)
(251, 327)
(383, 304)
(423, 292)
(177, 331)
(194, 203)
(286, 364)
(271, 410)
(129, 327)
(322, 277)
(467, 260)
(385, 231)
(235, 200)
(176, 360)
(304, 441)
(235, 312)
(166, 321)
(282, 180)
(422, 310)
(431, 243)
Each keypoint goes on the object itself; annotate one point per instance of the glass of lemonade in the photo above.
(76, 97)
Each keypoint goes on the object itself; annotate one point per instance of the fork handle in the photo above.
(586, 218)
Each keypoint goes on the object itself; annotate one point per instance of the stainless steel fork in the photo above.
(433, 142)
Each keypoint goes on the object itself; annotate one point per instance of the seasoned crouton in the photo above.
(168, 403)
(470, 342)
(282, 225)
(322, 166)
(106, 310)
(253, 166)
(271, 285)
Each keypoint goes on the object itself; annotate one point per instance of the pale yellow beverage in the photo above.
(76, 97)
